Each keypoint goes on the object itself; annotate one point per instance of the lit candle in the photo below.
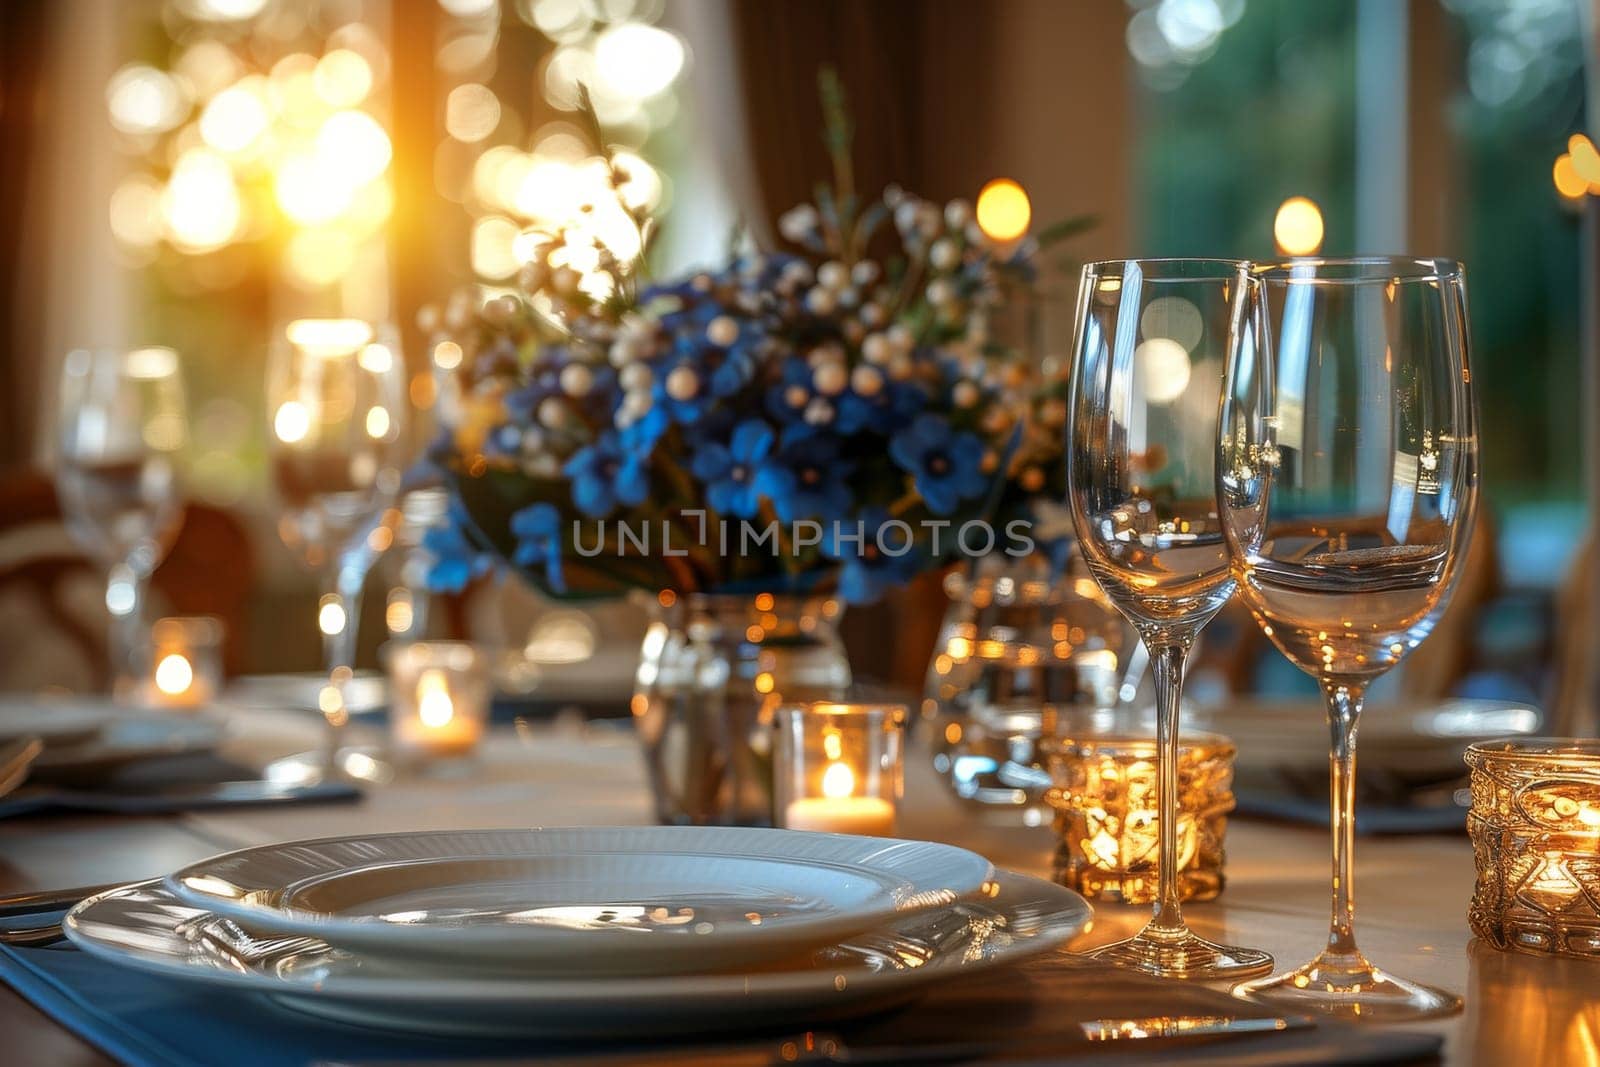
(186, 662)
(837, 811)
(439, 699)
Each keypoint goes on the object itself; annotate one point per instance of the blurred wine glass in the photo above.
(336, 402)
(1347, 475)
(122, 425)
(1151, 345)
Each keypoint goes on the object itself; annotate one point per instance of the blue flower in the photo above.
(538, 531)
(887, 411)
(947, 465)
(807, 478)
(794, 381)
(456, 561)
(731, 473)
(603, 476)
(873, 558)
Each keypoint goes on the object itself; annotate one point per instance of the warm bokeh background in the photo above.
(195, 172)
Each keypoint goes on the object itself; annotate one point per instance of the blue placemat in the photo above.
(147, 1021)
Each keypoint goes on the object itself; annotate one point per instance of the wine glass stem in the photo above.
(1167, 659)
(127, 587)
(344, 587)
(1344, 713)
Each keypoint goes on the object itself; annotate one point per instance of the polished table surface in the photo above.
(1412, 892)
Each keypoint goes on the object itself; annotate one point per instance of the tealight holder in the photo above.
(838, 768)
(1104, 797)
(439, 693)
(1535, 829)
(186, 661)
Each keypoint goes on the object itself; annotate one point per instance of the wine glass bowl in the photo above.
(1151, 349)
(335, 391)
(336, 402)
(122, 428)
(1347, 475)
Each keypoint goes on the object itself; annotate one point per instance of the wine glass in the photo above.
(1151, 346)
(122, 425)
(336, 393)
(1347, 476)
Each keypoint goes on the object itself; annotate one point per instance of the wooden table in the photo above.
(1412, 891)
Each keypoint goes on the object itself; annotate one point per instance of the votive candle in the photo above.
(439, 698)
(838, 768)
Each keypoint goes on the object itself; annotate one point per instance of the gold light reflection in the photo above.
(1003, 210)
(1298, 227)
(1106, 817)
(329, 336)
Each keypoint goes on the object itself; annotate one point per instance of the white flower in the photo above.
(833, 275)
(941, 292)
(564, 280)
(722, 331)
(865, 273)
(901, 337)
(901, 367)
(877, 348)
(798, 222)
(552, 413)
(957, 213)
(821, 301)
(576, 379)
(819, 412)
(636, 403)
(830, 379)
(866, 381)
(636, 376)
(683, 383)
(905, 216)
(797, 272)
(944, 255)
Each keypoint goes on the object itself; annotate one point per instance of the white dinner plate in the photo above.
(641, 900)
(147, 928)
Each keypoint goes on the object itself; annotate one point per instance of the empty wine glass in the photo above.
(336, 393)
(122, 425)
(1151, 346)
(1347, 475)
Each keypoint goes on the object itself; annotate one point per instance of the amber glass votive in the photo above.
(1535, 828)
(1104, 797)
(439, 694)
(838, 768)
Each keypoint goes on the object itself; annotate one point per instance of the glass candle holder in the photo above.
(838, 767)
(1104, 797)
(187, 661)
(439, 695)
(1535, 828)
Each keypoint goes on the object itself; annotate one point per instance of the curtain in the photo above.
(22, 110)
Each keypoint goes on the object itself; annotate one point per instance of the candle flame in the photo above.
(174, 675)
(838, 781)
(434, 706)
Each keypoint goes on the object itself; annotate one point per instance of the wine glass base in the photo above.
(1349, 987)
(1183, 956)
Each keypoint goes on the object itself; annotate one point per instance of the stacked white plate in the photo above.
(582, 931)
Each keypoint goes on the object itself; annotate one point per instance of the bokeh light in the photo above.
(1003, 210)
(144, 100)
(1297, 227)
(201, 204)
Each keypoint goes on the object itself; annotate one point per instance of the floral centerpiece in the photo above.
(833, 413)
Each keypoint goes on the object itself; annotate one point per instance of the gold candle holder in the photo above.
(1535, 828)
(1104, 797)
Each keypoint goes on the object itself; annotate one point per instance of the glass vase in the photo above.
(713, 670)
(1021, 642)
